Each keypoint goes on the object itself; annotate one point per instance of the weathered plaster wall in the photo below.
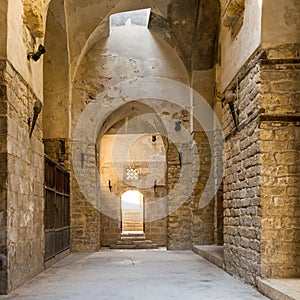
(116, 59)
(280, 21)
(56, 75)
(203, 83)
(20, 42)
(96, 28)
(235, 51)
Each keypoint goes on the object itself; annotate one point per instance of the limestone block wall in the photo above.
(3, 180)
(155, 225)
(156, 230)
(85, 220)
(25, 183)
(179, 204)
(59, 150)
(219, 217)
(280, 162)
(85, 216)
(261, 183)
(203, 214)
(242, 211)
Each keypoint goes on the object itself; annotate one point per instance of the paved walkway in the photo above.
(134, 274)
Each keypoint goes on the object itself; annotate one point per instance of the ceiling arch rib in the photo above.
(88, 23)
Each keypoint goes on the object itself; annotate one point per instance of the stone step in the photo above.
(142, 242)
(123, 246)
(132, 246)
(133, 238)
(132, 233)
(133, 242)
(147, 246)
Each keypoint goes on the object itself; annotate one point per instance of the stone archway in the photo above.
(131, 151)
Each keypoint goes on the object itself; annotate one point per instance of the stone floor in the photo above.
(134, 274)
(275, 289)
(280, 289)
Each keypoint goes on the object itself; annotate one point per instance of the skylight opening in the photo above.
(135, 17)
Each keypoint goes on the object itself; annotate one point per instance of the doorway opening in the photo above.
(132, 212)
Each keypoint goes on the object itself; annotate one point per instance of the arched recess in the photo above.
(56, 83)
(132, 147)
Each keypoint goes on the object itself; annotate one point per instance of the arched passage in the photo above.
(132, 147)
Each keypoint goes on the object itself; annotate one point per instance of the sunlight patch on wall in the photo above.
(135, 17)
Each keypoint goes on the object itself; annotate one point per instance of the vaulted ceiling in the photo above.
(191, 27)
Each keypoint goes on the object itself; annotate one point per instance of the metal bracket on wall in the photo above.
(232, 110)
(109, 185)
(82, 159)
(230, 97)
(180, 157)
(36, 111)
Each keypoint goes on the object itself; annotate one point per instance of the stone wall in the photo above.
(85, 216)
(155, 225)
(25, 189)
(280, 161)
(261, 183)
(3, 180)
(219, 217)
(242, 212)
(179, 203)
(203, 215)
(156, 230)
(59, 150)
